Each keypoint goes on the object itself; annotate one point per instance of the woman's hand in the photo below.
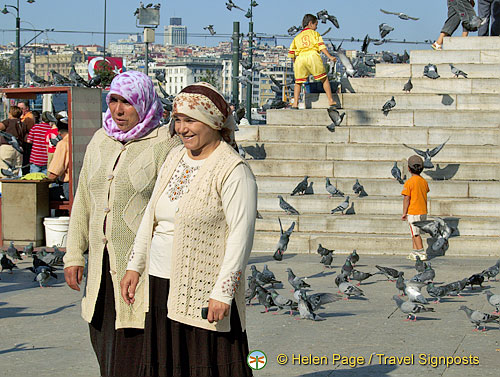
(128, 286)
(73, 276)
(216, 310)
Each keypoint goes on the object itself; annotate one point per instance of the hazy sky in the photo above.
(356, 18)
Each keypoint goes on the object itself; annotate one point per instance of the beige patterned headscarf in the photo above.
(201, 101)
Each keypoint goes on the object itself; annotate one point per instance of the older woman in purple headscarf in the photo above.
(117, 178)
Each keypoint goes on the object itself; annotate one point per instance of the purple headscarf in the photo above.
(138, 90)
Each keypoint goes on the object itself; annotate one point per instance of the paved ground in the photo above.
(42, 333)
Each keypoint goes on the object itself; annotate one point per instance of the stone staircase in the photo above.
(465, 184)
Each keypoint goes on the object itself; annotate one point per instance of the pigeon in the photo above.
(378, 42)
(265, 298)
(428, 154)
(387, 57)
(438, 229)
(13, 252)
(282, 302)
(401, 15)
(7, 264)
(251, 291)
(37, 262)
(360, 190)
(348, 289)
(230, 5)
(335, 117)
(28, 250)
(476, 279)
(492, 272)
(456, 287)
(76, 79)
(323, 251)
(210, 28)
(12, 140)
(293, 30)
(350, 210)
(283, 241)
(360, 276)
(428, 275)
(309, 190)
(37, 79)
(389, 272)
(353, 257)
(301, 187)
(477, 318)
(160, 76)
(437, 291)
(332, 190)
(344, 60)
(410, 308)
(287, 207)
(317, 300)
(244, 80)
(59, 79)
(44, 275)
(413, 292)
(279, 84)
(268, 277)
(430, 71)
(384, 29)
(342, 206)
(366, 42)
(347, 267)
(388, 106)
(327, 260)
(95, 81)
(356, 186)
(305, 309)
(419, 264)
(408, 86)
(457, 72)
(149, 5)
(493, 300)
(323, 16)
(296, 282)
(400, 283)
(396, 173)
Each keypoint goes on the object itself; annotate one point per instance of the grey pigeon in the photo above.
(7, 264)
(342, 206)
(390, 273)
(95, 81)
(309, 189)
(431, 71)
(58, 78)
(28, 249)
(287, 207)
(387, 57)
(344, 60)
(160, 76)
(419, 264)
(301, 187)
(267, 276)
(408, 86)
(317, 300)
(13, 252)
(356, 186)
(210, 28)
(336, 119)
(476, 279)
(244, 80)
(323, 16)
(437, 291)
(360, 276)
(413, 292)
(293, 30)
(44, 276)
(389, 105)
(230, 5)
(251, 291)
(384, 29)
(295, 281)
(265, 298)
(323, 251)
(348, 289)
(410, 308)
(350, 210)
(477, 318)
(396, 173)
(282, 302)
(360, 190)
(428, 153)
(12, 140)
(327, 260)
(492, 272)
(493, 300)
(283, 241)
(428, 226)
(401, 15)
(400, 283)
(366, 42)
(438, 229)
(457, 72)
(37, 262)
(428, 275)
(353, 257)
(76, 79)
(37, 79)
(332, 190)
(305, 309)
(347, 267)
(456, 287)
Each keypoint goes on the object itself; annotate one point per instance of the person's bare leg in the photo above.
(296, 94)
(417, 243)
(440, 39)
(328, 91)
(465, 33)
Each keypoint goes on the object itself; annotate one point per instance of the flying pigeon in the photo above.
(493, 300)
(230, 5)
(492, 272)
(430, 71)
(283, 241)
(335, 117)
(301, 187)
(12, 140)
(293, 30)
(457, 72)
(388, 106)
(438, 229)
(332, 190)
(477, 318)
(366, 42)
(344, 60)
(410, 308)
(287, 207)
(305, 309)
(408, 86)
(401, 15)
(428, 154)
(160, 76)
(324, 16)
(396, 173)
(384, 29)
(342, 206)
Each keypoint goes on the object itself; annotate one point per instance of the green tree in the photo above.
(6, 68)
(211, 78)
(104, 69)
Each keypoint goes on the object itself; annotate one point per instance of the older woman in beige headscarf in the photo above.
(194, 242)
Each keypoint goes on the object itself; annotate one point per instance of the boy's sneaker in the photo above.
(421, 254)
(412, 256)
(436, 46)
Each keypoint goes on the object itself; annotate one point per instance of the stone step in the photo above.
(405, 101)
(370, 169)
(377, 152)
(376, 205)
(367, 135)
(363, 224)
(389, 187)
(373, 244)
(455, 57)
(422, 85)
(395, 118)
(480, 72)
(471, 43)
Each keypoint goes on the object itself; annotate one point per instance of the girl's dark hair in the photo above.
(416, 171)
(308, 18)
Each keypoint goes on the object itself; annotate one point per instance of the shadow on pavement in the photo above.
(365, 371)
(23, 347)
(17, 311)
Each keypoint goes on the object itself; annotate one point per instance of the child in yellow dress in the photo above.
(304, 52)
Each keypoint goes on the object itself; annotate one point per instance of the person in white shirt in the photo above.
(194, 241)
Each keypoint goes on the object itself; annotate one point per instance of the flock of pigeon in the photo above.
(43, 262)
(261, 284)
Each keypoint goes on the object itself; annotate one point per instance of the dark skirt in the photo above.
(172, 348)
(119, 352)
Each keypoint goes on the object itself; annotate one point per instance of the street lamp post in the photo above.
(249, 15)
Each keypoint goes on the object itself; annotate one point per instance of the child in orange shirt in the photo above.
(415, 204)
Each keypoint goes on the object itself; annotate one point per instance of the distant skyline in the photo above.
(356, 17)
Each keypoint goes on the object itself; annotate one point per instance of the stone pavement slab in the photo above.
(43, 334)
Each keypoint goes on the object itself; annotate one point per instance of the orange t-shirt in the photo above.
(416, 188)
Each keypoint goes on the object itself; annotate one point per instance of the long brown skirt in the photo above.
(175, 349)
(119, 351)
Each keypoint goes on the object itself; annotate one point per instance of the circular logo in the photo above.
(256, 360)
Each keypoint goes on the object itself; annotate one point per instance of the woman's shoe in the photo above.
(436, 46)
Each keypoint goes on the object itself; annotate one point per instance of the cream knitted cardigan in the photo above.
(116, 182)
(199, 240)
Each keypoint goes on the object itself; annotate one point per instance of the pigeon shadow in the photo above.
(310, 98)
(258, 152)
(448, 172)
(333, 315)
(346, 85)
(447, 100)
(428, 319)
(266, 258)
(378, 370)
(23, 347)
(321, 274)
(18, 312)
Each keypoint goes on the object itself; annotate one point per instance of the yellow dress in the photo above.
(305, 48)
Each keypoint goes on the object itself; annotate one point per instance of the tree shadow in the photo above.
(12, 312)
(443, 174)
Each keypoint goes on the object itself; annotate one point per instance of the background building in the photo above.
(175, 33)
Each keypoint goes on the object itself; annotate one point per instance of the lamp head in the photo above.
(30, 1)
(4, 10)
